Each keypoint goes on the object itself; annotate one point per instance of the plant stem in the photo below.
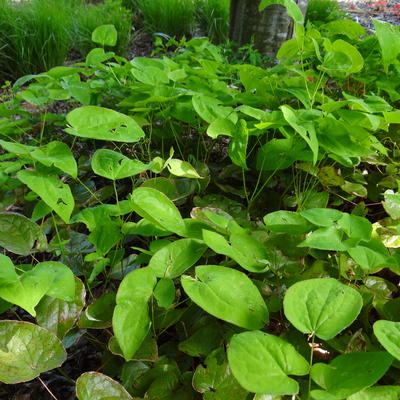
(310, 365)
(45, 386)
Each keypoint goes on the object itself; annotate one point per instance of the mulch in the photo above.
(364, 11)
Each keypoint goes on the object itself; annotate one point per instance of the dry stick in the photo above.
(45, 386)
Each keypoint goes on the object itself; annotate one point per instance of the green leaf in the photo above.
(355, 189)
(326, 239)
(287, 222)
(181, 168)
(148, 350)
(221, 126)
(280, 154)
(237, 149)
(262, 362)
(164, 292)
(227, 294)
(96, 386)
(388, 334)
(27, 350)
(210, 110)
(323, 307)
(389, 40)
(377, 392)
(292, 8)
(59, 316)
(57, 154)
(103, 124)
(371, 256)
(342, 57)
(304, 128)
(355, 227)
(347, 27)
(204, 340)
(392, 204)
(175, 258)
(26, 290)
(349, 373)
(105, 35)
(56, 194)
(216, 382)
(18, 233)
(98, 315)
(157, 208)
(54, 153)
(246, 250)
(131, 322)
(321, 216)
(113, 165)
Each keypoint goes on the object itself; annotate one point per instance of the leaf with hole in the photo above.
(100, 123)
(113, 165)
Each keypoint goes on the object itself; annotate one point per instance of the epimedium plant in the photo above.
(233, 229)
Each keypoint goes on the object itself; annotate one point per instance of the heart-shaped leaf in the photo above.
(216, 382)
(227, 294)
(131, 322)
(246, 250)
(27, 350)
(113, 165)
(287, 222)
(26, 290)
(59, 316)
(105, 35)
(56, 194)
(262, 362)
(388, 334)
(96, 386)
(175, 258)
(17, 233)
(157, 208)
(349, 373)
(323, 307)
(103, 124)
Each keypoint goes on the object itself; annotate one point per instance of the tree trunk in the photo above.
(269, 28)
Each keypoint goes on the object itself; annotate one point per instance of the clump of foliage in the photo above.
(38, 35)
(33, 36)
(86, 17)
(323, 11)
(172, 17)
(216, 230)
(213, 19)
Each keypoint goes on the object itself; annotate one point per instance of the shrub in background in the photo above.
(172, 17)
(33, 36)
(88, 16)
(212, 17)
(323, 11)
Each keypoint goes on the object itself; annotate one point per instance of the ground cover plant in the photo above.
(213, 230)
